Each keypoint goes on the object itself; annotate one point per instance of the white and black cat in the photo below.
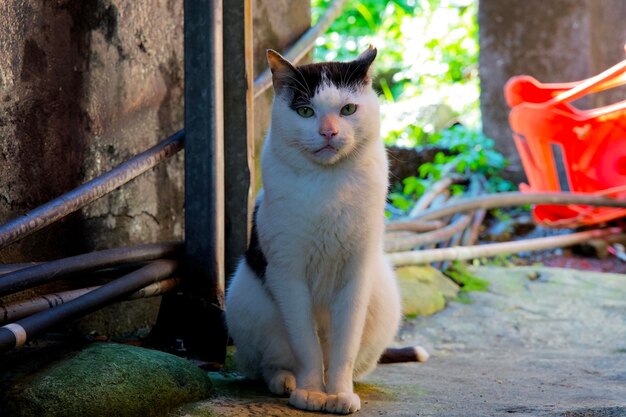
(314, 303)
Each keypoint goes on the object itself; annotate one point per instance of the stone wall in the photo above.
(553, 41)
(84, 86)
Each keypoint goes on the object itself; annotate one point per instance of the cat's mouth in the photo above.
(327, 148)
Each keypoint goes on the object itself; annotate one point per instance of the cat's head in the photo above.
(326, 112)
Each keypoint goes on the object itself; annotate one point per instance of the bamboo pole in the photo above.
(461, 253)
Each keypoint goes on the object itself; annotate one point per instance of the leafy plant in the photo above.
(428, 49)
(466, 152)
(427, 74)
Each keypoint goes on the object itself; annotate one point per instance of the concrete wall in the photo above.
(553, 41)
(85, 85)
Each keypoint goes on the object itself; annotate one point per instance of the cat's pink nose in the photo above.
(329, 126)
(328, 133)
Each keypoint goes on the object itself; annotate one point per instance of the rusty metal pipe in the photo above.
(79, 197)
(54, 270)
(20, 309)
(16, 334)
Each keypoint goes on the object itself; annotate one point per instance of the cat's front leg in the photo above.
(293, 299)
(348, 314)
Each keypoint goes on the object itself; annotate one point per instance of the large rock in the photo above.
(107, 380)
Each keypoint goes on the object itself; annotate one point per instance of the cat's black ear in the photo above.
(282, 70)
(367, 57)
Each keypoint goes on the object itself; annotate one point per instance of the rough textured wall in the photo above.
(85, 85)
(553, 41)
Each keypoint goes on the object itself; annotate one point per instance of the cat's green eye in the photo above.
(305, 111)
(348, 109)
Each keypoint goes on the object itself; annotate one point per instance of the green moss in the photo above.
(468, 281)
(424, 290)
(109, 380)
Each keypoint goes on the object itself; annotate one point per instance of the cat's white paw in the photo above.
(282, 383)
(307, 400)
(342, 403)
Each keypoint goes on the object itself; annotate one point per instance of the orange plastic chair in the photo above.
(563, 148)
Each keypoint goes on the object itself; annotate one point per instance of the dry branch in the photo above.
(427, 198)
(471, 234)
(440, 235)
(517, 199)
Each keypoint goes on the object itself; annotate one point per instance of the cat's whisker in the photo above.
(306, 93)
(306, 85)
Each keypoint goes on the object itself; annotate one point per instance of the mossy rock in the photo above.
(108, 380)
(424, 290)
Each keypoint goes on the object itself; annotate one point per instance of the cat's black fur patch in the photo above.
(299, 84)
(306, 81)
(254, 254)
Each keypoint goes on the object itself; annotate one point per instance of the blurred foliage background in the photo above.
(427, 75)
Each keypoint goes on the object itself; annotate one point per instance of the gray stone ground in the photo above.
(552, 346)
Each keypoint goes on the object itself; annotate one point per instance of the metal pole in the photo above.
(195, 315)
(75, 265)
(238, 127)
(204, 147)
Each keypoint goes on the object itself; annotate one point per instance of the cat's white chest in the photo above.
(319, 227)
